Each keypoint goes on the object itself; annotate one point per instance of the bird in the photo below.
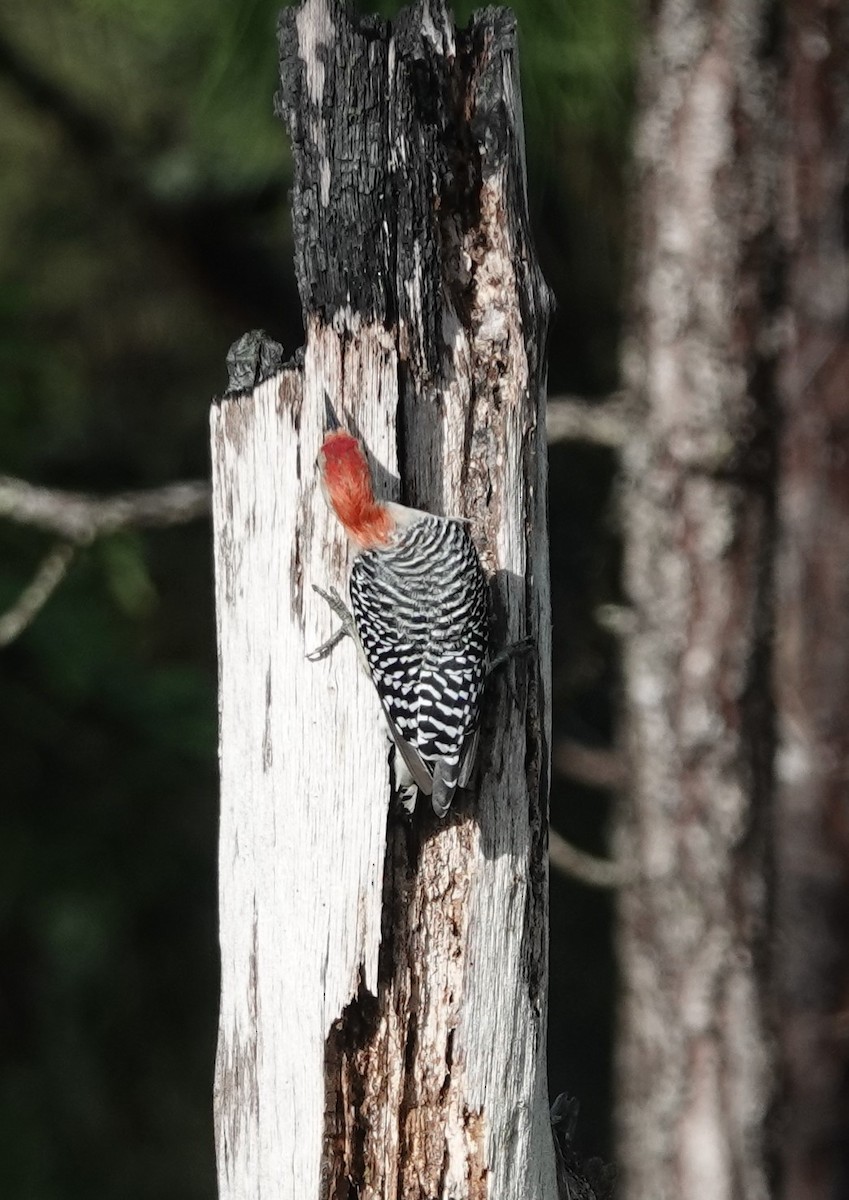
(419, 615)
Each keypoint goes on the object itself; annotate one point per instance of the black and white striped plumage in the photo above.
(420, 611)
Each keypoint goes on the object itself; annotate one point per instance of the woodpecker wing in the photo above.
(420, 611)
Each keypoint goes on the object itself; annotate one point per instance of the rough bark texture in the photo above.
(383, 1003)
(812, 643)
(695, 1069)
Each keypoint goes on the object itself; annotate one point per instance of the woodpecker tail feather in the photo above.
(444, 787)
(418, 771)
(453, 774)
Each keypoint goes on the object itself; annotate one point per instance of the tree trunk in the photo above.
(695, 1060)
(812, 643)
(383, 1010)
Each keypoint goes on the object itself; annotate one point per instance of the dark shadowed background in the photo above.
(143, 227)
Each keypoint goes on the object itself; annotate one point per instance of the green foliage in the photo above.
(127, 576)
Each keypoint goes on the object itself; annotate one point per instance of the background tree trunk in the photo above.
(812, 643)
(383, 1009)
(695, 1060)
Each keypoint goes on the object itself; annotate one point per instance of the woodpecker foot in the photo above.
(523, 646)
(347, 630)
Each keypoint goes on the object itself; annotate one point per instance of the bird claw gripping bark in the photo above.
(523, 646)
(405, 787)
(514, 650)
(347, 628)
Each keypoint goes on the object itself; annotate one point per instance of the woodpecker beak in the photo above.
(331, 421)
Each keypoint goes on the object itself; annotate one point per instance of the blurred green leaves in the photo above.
(127, 577)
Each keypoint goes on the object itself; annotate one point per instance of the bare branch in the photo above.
(618, 619)
(596, 766)
(608, 422)
(51, 571)
(586, 868)
(81, 518)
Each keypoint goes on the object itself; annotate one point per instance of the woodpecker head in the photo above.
(346, 482)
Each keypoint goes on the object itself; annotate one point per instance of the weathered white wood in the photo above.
(301, 839)
(383, 1007)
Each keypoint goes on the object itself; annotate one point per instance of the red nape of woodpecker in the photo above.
(346, 480)
(419, 607)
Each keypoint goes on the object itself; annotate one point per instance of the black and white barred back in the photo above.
(420, 609)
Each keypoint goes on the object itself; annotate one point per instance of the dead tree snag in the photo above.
(383, 1006)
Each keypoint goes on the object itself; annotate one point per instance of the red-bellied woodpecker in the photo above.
(419, 602)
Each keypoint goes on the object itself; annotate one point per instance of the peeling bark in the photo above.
(389, 1039)
(696, 1057)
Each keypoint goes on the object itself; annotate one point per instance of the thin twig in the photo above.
(618, 619)
(586, 868)
(78, 520)
(81, 518)
(50, 573)
(609, 422)
(595, 766)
